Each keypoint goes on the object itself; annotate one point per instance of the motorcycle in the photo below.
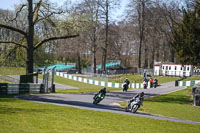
(133, 106)
(154, 84)
(125, 87)
(98, 98)
(145, 85)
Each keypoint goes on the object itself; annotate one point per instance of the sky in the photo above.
(9, 5)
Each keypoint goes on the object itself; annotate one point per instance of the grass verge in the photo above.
(12, 71)
(19, 116)
(177, 105)
(83, 87)
(192, 78)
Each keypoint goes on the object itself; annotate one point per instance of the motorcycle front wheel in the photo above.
(94, 102)
(134, 108)
(126, 109)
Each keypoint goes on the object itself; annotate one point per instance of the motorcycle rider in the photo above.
(155, 81)
(103, 91)
(126, 83)
(145, 84)
(140, 95)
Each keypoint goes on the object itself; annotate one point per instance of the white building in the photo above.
(172, 70)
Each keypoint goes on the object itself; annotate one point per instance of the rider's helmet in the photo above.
(142, 94)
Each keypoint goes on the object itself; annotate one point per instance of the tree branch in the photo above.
(13, 29)
(54, 38)
(18, 12)
(15, 43)
(36, 10)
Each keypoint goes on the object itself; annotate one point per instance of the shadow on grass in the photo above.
(10, 105)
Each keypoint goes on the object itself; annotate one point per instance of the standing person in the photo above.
(151, 82)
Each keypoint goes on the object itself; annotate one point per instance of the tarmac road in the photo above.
(110, 103)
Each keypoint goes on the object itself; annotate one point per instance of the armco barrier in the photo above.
(188, 83)
(21, 88)
(96, 82)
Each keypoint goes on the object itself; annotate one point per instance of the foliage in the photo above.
(187, 36)
(19, 116)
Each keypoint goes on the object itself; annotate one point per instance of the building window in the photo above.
(166, 67)
(163, 67)
(169, 67)
(181, 68)
(175, 68)
(188, 68)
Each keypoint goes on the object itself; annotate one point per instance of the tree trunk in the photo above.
(106, 40)
(172, 53)
(30, 35)
(79, 62)
(95, 62)
(141, 30)
(152, 58)
(146, 59)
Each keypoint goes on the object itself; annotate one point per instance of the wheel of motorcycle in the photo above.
(134, 108)
(94, 102)
(126, 109)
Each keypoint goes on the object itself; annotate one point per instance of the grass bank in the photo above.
(19, 116)
(12, 71)
(82, 87)
(192, 78)
(177, 105)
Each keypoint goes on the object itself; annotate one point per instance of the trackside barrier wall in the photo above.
(188, 83)
(96, 82)
(21, 88)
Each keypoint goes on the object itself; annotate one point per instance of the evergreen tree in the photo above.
(187, 36)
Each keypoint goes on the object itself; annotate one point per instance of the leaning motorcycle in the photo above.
(133, 106)
(98, 98)
(125, 87)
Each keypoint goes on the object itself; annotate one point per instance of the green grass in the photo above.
(12, 71)
(3, 81)
(133, 78)
(192, 78)
(162, 79)
(19, 116)
(177, 104)
(83, 87)
(139, 78)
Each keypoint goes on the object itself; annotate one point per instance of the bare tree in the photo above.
(34, 16)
